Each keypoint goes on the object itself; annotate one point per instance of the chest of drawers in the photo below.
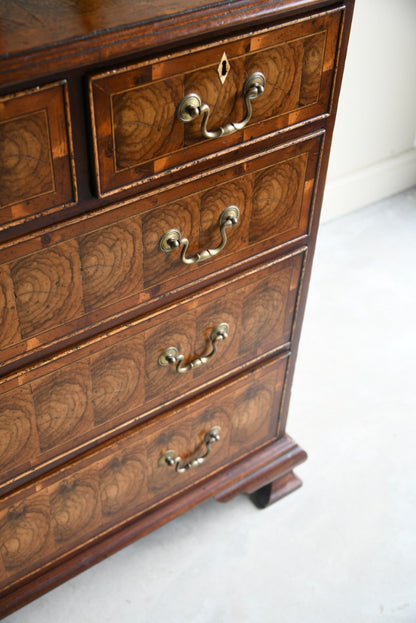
(161, 174)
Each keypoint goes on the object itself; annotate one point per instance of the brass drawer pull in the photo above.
(191, 106)
(172, 239)
(171, 356)
(170, 458)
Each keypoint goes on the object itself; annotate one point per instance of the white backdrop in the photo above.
(373, 152)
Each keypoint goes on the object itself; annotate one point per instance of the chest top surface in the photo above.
(40, 37)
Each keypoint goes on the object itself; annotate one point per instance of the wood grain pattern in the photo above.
(62, 405)
(88, 271)
(47, 287)
(111, 261)
(136, 134)
(122, 479)
(25, 158)
(73, 509)
(19, 443)
(143, 122)
(9, 321)
(275, 193)
(312, 60)
(36, 170)
(117, 379)
(25, 534)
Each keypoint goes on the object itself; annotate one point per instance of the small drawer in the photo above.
(36, 160)
(92, 269)
(138, 133)
(55, 409)
(54, 517)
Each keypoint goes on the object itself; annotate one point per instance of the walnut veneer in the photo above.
(154, 262)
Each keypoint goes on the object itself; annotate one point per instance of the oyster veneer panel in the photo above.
(37, 174)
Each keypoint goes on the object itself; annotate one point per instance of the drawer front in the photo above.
(36, 161)
(136, 131)
(52, 411)
(55, 516)
(54, 284)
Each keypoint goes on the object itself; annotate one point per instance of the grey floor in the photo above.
(343, 548)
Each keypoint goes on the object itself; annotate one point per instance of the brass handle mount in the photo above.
(191, 106)
(172, 239)
(170, 458)
(171, 356)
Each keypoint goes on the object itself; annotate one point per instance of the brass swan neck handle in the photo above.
(191, 106)
(170, 458)
(171, 356)
(172, 239)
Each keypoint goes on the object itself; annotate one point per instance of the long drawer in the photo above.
(149, 119)
(69, 278)
(55, 516)
(55, 409)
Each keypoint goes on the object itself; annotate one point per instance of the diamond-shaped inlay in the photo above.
(223, 68)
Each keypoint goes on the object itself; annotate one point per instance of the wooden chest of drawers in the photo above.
(161, 175)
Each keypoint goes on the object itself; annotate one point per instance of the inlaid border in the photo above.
(53, 100)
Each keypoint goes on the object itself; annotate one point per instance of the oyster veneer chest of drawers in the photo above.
(161, 174)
